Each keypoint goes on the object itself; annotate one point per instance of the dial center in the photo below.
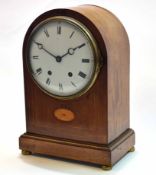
(58, 59)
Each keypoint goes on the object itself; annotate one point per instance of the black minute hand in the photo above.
(40, 46)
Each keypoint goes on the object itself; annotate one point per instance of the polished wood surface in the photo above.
(90, 110)
(102, 114)
(117, 46)
(99, 154)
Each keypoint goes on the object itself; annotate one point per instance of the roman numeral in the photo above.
(48, 81)
(72, 34)
(81, 74)
(73, 84)
(38, 71)
(46, 32)
(85, 60)
(60, 87)
(59, 30)
(35, 57)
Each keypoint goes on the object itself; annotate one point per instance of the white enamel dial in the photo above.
(61, 57)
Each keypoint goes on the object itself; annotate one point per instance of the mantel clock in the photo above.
(76, 75)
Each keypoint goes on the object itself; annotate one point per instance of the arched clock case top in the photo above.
(94, 126)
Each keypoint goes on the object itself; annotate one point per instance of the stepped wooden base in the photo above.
(104, 155)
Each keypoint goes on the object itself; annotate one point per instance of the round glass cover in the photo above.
(61, 57)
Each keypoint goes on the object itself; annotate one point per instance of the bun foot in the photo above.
(106, 168)
(24, 152)
(132, 149)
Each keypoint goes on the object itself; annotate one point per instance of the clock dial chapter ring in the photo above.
(71, 51)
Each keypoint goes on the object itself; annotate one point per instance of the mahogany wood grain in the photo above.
(101, 116)
(86, 152)
(90, 110)
(117, 46)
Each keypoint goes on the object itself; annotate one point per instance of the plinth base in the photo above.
(104, 155)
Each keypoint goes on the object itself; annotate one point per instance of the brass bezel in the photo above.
(96, 53)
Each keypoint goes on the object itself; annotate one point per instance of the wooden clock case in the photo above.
(100, 132)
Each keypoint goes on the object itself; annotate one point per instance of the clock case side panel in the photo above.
(93, 147)
(118, 51)
(39, 113)
(118, 58)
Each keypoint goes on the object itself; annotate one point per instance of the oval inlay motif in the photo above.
(64, 114)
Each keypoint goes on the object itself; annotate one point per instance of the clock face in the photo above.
(62, 57)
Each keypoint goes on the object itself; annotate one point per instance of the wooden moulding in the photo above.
(98, 154)
(98, 132)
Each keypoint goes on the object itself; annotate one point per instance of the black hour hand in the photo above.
(71, 51)
(80, 46)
